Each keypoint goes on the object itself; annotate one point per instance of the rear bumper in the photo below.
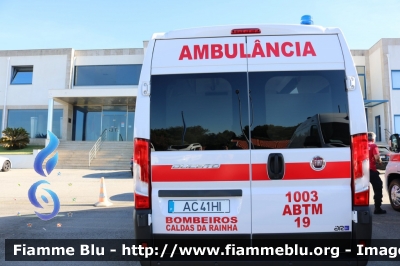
(142, 227)
(362, 229)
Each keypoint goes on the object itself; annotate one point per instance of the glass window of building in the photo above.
(21, 75)
(87, 123)
(130, 122)
(34, 121)
(113, 123)
(1, 119)
(111, 75)
(396, 79)
(361, 77)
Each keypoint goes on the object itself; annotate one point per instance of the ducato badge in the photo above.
(318, 163)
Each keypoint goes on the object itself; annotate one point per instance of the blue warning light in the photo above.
(306, 20)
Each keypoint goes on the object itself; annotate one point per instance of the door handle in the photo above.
(275, 166)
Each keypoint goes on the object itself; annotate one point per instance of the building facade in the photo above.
(81, 94)
(379, 73)
(76, 94)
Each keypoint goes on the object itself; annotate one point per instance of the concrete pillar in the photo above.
(50, 119)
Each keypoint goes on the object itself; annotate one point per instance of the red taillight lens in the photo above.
(360, 169)
(141, 173)
(359, 154)
(142, 202)
(361, 198)
(246, 31)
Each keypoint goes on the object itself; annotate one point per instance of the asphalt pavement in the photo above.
(79, 190)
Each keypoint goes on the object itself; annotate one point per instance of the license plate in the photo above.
(199, 206)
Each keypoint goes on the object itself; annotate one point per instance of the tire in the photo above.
(6, 166)
(394, 194)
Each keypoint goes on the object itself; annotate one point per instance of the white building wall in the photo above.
(108, 60)
(4, 78)
(376, 91)
(359, 60)
(375, 68)
(48, 73)
(394, 59)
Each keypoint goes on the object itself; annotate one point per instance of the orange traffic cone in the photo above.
(103, 200)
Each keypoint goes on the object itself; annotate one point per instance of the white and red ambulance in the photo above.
(241, 93)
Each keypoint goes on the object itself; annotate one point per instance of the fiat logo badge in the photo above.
(318, 163)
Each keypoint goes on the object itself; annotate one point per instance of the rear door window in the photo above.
(299, 109)
(199, 112)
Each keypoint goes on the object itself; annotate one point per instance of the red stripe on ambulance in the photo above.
(297, 171)
(228, 172)
(240, 172)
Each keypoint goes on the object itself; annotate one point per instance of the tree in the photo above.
(14, 138)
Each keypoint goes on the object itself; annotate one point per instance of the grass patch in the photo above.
(27, 150)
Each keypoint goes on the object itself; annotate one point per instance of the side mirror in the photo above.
(394, 143)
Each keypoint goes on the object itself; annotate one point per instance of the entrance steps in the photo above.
(113, 155)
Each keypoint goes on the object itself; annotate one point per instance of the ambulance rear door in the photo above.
(200, 165)
(301, 185)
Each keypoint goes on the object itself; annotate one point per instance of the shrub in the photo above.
(14, 138)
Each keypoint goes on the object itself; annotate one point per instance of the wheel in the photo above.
(394, 190)
(6, 166)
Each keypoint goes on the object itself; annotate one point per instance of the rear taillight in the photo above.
(141, 173)
(360, 169)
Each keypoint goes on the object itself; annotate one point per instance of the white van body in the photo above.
(244, 88)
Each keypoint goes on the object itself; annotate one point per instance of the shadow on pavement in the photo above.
(111, 175)
(122, 197)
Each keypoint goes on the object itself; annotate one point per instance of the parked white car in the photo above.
(392, 173)
(5, 164)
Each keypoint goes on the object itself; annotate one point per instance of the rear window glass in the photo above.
(192, 112)
(293, 109)
(299, 109)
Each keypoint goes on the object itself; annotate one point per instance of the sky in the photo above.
(108, 24)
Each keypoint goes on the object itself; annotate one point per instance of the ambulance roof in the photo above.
(225, 31)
